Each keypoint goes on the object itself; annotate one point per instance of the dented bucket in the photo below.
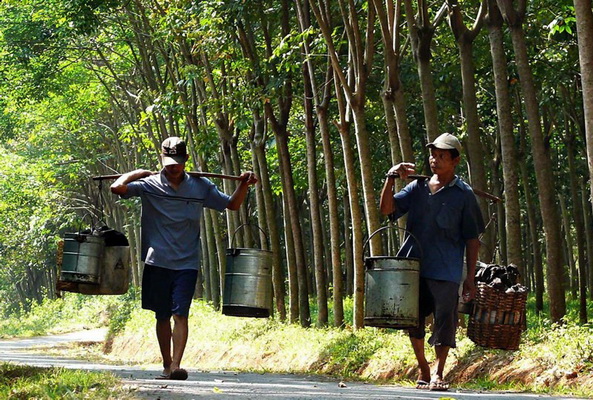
(392, 287)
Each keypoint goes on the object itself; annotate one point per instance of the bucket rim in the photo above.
(234, 249)
(392, 258)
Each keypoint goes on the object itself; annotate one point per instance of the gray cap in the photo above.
(174, 151)
(446, 141)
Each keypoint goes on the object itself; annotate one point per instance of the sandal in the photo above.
(438, 386)
(422, 384)
(179, 374)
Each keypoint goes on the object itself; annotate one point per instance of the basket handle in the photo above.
(241, 226)
(405, 241)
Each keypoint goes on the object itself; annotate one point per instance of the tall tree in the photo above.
(584, 16)
(507, 139)
(360, 57)
(321, 101)
(421, 34)
(541, 158)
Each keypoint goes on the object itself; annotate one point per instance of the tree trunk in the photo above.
(348, 247)
(214, 269)
(421, 34)
(393, 96)
(573, 276)
(315, 209)
(321, 99)
(586, 204)
(258, 148)
(296, 231)
(206, 259)
(357, 236)
(578, 219)
(541, 159)
(293, 275)
(507, 139)
(584, 16)
(334, 222)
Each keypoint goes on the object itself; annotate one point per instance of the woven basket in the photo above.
(498, 318)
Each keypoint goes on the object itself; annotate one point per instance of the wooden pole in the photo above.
(197, 174)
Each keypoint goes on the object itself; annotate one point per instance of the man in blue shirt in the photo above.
(444, 216)
(172, 203)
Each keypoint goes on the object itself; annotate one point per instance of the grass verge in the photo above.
(25, 382)
(553, 359)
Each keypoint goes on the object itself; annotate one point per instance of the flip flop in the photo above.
(179, 375)
(422, 384)
(163, 376)
(438, 386)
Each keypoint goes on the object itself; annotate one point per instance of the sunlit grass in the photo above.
(72, 312)
(24, 382)
(270, 345)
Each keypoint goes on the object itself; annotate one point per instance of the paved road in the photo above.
(229, 385)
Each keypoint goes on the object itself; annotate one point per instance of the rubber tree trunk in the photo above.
(293, 276)
(296, 230)
(541, 159)
(465, 38)
(355, 212)
(586, 204)
(315, 212)
(205, 270)
(573, 276)
(507, 139)
(259, 157)
(584, 16)
(334, 221)
(320, 101)
(421, 34)
(577, 218)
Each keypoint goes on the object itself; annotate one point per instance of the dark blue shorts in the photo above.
(167, 292)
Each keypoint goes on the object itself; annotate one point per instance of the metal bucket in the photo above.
(391, 290)
(247, 282)
(82, 258)
(114, 272)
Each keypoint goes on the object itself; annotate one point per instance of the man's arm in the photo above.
(120, 186)
(237, 198)
(387, 203)
(472, 246)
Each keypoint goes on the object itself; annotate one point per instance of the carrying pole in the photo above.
(480, 193)
(197, 174)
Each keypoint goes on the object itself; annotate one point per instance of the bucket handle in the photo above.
(405, 241)
(79, 236)
(241, 226)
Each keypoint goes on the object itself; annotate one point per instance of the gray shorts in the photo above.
(439, 298)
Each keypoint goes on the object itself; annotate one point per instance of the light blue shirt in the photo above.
(442, 222)
(171, 218)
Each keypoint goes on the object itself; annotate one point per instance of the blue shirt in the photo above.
(171, 218)
(442, 222)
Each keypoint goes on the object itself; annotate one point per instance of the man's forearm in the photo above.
(238, 196)
(120, 185)
(472, 248)
(387, 204)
